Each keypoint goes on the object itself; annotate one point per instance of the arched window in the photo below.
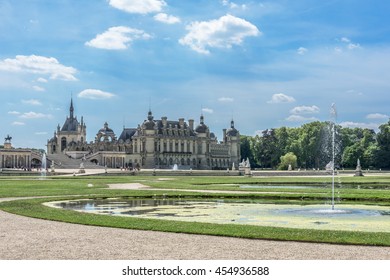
(63, 143)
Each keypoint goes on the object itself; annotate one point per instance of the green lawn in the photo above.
(364, 190)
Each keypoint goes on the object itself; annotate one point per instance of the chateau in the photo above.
(153, 144)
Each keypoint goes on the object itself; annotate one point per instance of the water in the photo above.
(175, 167)
(345, 217)
(43, 166)
(275, 187)
(333, 113)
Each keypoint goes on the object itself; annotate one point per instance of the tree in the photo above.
(382, 157)
(351, 154)
(359, 143)
(311, 141)
(265, 151)
(246, 149)
(287, 160)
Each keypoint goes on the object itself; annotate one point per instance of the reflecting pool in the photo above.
(345, 217)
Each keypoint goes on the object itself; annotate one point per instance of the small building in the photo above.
(18, 158)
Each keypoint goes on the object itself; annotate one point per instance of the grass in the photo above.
(372, 190)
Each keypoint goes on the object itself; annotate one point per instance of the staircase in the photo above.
(66, 162)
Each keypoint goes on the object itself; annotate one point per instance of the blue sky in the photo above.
(263, 63)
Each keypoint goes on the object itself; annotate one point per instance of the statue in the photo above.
(358, 171)
(247, 168)
(8, 139)
(82, 169)
(247, 163)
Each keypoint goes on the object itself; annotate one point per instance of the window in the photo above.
(63, 143)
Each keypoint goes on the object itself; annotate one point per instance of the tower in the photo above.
(71, 133)
(233, 140)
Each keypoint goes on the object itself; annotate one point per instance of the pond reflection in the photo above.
(345, 217)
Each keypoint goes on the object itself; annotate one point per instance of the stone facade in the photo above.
(13, 158)
(155, 143)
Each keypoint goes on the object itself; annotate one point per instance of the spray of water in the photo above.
(43, 166)
(333, 114)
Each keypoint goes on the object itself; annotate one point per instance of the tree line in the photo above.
(310, 146)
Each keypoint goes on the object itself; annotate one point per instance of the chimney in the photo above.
(164, 121)
(181, 123)
(191, 124)
(224, 135)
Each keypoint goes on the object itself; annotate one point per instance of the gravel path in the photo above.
(23, 238)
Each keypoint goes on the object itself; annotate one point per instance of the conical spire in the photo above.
(71, 109)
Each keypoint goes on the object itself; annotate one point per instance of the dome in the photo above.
(105, 133)
(232, 132)
(201, 128)
(106, 129)
(149, 124)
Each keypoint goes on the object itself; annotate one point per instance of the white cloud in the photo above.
(138, 6)
(233, 5)
(305, 110)
(377, 116)
(117, 38)
(224, 32)
(360, 125)
(352, 46)
(169, 19)
(95, 94)
(33, 115)
(281, 98)
(18, 123)
(38, 88)
(302, 51)
(14, 113)
(32, 102)
(208, 110)
(42, 80)
(39, 65)
(297, 118)
(225, 99)
(354, 92)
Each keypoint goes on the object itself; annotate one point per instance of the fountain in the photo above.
(367, 218)
(175, 167)
(333, 114)
(43, 166)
